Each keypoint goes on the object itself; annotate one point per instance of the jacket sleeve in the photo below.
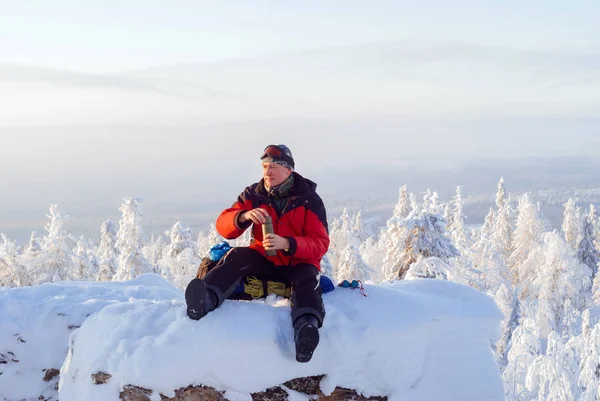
(227, 222)
(315, 241)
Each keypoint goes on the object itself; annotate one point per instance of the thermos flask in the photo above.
(267, 228)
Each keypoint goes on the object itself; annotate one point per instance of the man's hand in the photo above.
(256, 215)
(275, 242)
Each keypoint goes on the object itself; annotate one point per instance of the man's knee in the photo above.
(303, 273)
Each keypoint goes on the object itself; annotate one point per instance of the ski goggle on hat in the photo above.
(280, 154)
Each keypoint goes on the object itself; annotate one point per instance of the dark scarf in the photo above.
(279, 195)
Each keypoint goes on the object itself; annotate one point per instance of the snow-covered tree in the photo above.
(156, 249)
(501, 196)
(428, 268)
(206, 242)
(553, 376)
(571, 223)
(589, 377)
(507, 301)
(12, 273)
(527, 234)
(182, 255)
(130, 236)
(457, 228)
(358, 228)
(351, 265)
(502, 238)
(525, 348)
(107, 252)
(33, 248)
(586, 250)
(181, 239)
(558, 277)
(403, 206)
(84, 267)
(57, 258)
(421, 234)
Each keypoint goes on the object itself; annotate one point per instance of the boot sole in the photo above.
(307, 341)
(195, 294)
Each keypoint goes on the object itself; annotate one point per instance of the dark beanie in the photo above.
(279, 154)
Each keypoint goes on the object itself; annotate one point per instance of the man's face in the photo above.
(274, 174)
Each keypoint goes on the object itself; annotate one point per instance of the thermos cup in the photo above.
(267, 228)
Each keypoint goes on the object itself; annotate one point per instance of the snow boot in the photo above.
(306, 337)
(199, 299)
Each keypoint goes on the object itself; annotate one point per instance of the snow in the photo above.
(417, 340)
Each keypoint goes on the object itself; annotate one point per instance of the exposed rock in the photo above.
(344, 394)
(305, 385)
(101, 377)
(195, 393)
(51, 374)
(135, 393)
(271, 394)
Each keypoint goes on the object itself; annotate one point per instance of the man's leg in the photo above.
(308, 310)
(204, 295)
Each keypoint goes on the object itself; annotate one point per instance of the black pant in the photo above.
(243, 262)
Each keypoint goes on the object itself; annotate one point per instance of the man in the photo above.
(300, 240)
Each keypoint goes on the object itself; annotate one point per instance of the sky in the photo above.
(139, 333)
(173, 102)
(111, 36)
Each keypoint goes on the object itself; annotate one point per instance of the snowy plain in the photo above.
(408, 340)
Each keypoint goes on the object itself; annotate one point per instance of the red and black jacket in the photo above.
(303, 221)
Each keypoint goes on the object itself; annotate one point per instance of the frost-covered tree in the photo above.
(595, 221)
(182, 255)
(586, 250)
(107, 252)
(589, 377)
(527, 234)
(502, 238)
(56, 258)
(84, 267)
(156, 249)
(33, 248)
(553, 376)
(358, 228)
(457, 228)
(428, 268)
(130, 236)
(507, 301)
(403, 206)
(181, 239)
(596, 290)
(351, 265)
(448, 214)
(206, 242)
(487, 260)
(558, 277)
(571, 223)
(12, 273)
(31, 257)
(422, 234)
(431, 202)
(339, 236)
(525, 348)
(501, 196)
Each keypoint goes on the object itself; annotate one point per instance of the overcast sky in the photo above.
(105, 99)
